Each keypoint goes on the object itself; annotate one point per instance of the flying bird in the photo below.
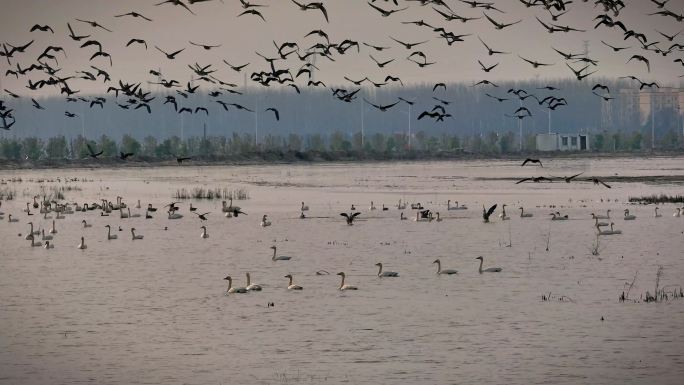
(530, 160)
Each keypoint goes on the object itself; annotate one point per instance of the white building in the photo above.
(562, 142)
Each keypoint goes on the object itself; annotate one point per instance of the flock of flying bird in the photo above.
(45, 71)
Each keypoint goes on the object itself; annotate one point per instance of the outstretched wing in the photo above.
(355, 214)
(345, 215)
(491, 210)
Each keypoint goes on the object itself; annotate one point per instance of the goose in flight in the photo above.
(343, 286)
(232, 289)
(487, 213)
(291, 286)
(250, 286)
(385, 273)
(280, 257)
(530, 160)
(350, 217)
(445, 271)
(489, 269)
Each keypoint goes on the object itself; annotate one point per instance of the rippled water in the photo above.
(155, 311)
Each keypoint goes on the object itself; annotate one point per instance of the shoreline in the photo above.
(268, 158)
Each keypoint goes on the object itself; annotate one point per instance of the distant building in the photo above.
(562, 142)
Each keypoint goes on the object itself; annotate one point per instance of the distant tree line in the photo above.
(337, 145)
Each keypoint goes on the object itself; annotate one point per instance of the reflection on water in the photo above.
(155, 310)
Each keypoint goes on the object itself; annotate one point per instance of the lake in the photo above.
(155, 311)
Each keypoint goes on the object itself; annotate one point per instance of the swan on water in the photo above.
(110, 236)
(438, 218)
(304, 208)
(384, 208)
(148, 215)
(558, 217)
(204, 232)
(657, 215)
(419, 217)
(350, 217)
(34, 243)
(291, 286)
(123, 214)
(53, 230)
(252, 287)
(82, 245)
(628, 216)
(10, 219)
(445, 271)
(402, 217)
(175, 215)
(343, 286)
(49, 245)
(45, 237)
(136, 215)
(678, 213)
(232, 289)
(229, 208)
(600, 224)
(523, 214)
(280, 257)
(137, 205)
(503, 215)
(264, 221)
(302, 216)
(134, 236)
(85, 224)
(31, 232)
(372, 206)
(401, 206)
(489, 269)
(385, 273)
(609, 232)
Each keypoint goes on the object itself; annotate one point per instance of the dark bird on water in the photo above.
(487, 213)
(350, 217)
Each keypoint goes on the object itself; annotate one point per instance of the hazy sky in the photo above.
(215, 22)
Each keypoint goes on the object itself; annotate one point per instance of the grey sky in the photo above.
(216, 23)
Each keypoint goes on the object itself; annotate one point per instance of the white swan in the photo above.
(45, 237)
(264, 222)
(600, 224)
(523, 214)
(291, 286)
(402, 217)
(677, 214)
(34, 243)
(304, 208)
(657, 215)
(53, 230)
(252, 287)
(438, 218)
(10, 219)
(229, 208)
(503, 215)
(82, 245)
(31, 232)
(489, 269)
(445, 271)
(231, 289)
(372, 206)
(85, 224)
(385, 273)
(280, 257)
(609, 232)
(49, 245)
(628, 216)
(136, 215)
(122, 214)
(134, 236)
(607, 216)
(204, 232)
(401, 206)
(110, 236)
(343, 286)
(558, 217)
